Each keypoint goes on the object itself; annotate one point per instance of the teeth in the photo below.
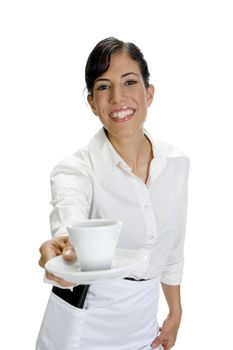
(122, 114)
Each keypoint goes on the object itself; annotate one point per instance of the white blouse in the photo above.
(96, 182)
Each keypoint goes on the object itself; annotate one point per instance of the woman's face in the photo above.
(120, 98)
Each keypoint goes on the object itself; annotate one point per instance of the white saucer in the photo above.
(124, 262)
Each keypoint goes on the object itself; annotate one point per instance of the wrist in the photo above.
(175, 313)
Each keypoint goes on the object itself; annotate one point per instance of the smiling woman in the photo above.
(120, 96)
(123, 174)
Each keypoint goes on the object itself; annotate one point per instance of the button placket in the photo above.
(148, 214)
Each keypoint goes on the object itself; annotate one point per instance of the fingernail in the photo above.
(68, 250)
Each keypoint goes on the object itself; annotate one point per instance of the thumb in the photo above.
(68, 253)
(157, 341)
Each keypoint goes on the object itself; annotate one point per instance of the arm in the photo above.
(169, 329)
(171, 278)
(172, 296)
(71, 192)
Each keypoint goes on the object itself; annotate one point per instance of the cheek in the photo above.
(99, 102)
(142, 99)
(140, 94)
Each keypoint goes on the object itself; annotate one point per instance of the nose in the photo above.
(116, 95)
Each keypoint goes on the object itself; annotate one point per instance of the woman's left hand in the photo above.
(168, 333)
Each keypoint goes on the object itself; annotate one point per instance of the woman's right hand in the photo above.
(54, 247)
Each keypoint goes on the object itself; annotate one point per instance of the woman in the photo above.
(123, 174)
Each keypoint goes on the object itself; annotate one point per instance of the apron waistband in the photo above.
(133, 279)
(77, 296)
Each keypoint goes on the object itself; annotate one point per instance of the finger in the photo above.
(165, 345)
(68, 253)
(48, 250)
(50, 276)
(62, 240)
(59, 280)
(41, 262)
(64, 283)
(156, 343)
(169, 344)
(160, 340)
(52, 248)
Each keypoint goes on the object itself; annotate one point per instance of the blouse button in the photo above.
(151, 237)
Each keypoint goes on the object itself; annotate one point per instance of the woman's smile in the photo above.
(122, 114)
(120, 98)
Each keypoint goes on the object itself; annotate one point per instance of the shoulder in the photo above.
(74, 164)
(82, 161)
(172, 157)
(169, 150)
(162, 148)
(174, 154)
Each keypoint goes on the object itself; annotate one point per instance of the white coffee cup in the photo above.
(94, 241)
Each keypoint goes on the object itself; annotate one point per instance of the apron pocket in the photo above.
(61, 327)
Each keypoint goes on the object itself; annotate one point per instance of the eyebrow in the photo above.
(122, 76)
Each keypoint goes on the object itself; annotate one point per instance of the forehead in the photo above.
(121, 63)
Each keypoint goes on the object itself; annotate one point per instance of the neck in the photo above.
(136, 151)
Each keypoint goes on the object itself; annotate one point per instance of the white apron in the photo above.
(117, 315)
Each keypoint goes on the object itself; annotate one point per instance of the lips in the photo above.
(122, 114)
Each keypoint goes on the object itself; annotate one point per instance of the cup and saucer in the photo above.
(95, 243)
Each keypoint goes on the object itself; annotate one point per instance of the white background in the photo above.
(44, 46)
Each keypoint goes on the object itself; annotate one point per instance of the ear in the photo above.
(150, 94)
(91, 102)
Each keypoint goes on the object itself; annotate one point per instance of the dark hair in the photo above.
(98, 61)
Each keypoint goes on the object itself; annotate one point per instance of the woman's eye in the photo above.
(130, 82)
(102, 87)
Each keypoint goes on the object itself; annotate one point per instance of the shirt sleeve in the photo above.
(71, 191)
(173, 269)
